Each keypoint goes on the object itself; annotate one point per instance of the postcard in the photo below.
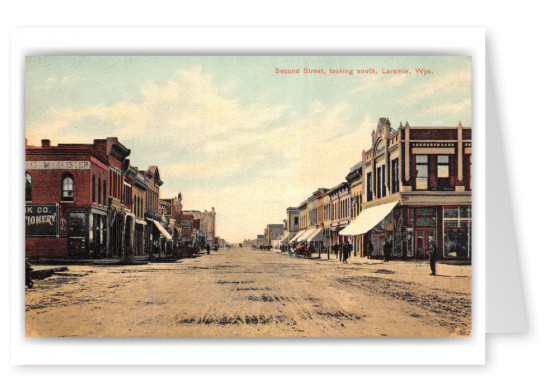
(248, 196)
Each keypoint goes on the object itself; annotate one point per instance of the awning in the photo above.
(316, 236)
(307, 235)
(161, 229)
(298, 235)
(368, 219)
(142, 222)
(285, 238)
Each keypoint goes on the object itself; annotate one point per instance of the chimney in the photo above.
(45, 143)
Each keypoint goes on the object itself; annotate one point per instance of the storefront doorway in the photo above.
(422, 237)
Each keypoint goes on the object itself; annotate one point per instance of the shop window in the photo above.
(426, 211)
(426, 222)
(77, 232)
(443, 172)
(411, 217)
(28, 187)
(67, 187)
(457, 232)
(421, 172)
(410, 242)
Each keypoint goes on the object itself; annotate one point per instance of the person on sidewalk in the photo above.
(345, 252)
(208, 249)
(369, 249)
(433, 252)
(387, 248)
(28, 279)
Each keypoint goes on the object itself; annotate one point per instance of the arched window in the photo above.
(28, 187)
(104, 192)
(67, 187)
(93, 188)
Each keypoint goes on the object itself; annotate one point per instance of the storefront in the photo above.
(160, 240)
(86, 232)
(139, 236)
(410, 228)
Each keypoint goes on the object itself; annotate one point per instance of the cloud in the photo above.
(189, 104)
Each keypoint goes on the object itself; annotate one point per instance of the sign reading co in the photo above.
(42, 220)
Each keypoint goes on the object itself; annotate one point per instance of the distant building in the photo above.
(273, 232)
(208, 223)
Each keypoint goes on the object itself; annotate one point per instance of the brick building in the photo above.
(70, 183)
(208, 224)
(340, 210)
(417, 186)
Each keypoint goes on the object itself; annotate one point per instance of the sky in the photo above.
(229, 132)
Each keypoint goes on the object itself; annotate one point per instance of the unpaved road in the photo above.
(250, 293)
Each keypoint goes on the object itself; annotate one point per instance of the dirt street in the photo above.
(251, 293)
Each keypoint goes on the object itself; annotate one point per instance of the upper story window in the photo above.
(443, 173)
(369, 187)
(28, 187)
(93, 188)
(380, 147)
(422, 172)
(104, 192)
(470, 171)
(381, 188)
(67, 187)
(99, 191)
(395, 188)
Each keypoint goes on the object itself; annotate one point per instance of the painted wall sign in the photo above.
(165, 207)
(57, 165)
(187, 226)
(42, 220)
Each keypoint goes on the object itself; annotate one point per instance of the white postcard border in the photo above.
(245, 351)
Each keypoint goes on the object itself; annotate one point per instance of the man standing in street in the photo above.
(208, 249)
(345, 252)
(369, 249)
(387, 248)
(433, 252)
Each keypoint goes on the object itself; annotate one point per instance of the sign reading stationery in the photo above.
(42, 220)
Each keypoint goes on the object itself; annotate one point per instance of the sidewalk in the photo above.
(136, 260)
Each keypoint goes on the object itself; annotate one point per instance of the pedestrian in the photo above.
(336, 250)
(369, 249)
(340, 252)
(433, 252)
(387, 248)
(28, 279)
(208, 249)
(345, 252)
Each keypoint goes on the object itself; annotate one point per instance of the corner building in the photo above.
(417, 186)
(67, 197)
